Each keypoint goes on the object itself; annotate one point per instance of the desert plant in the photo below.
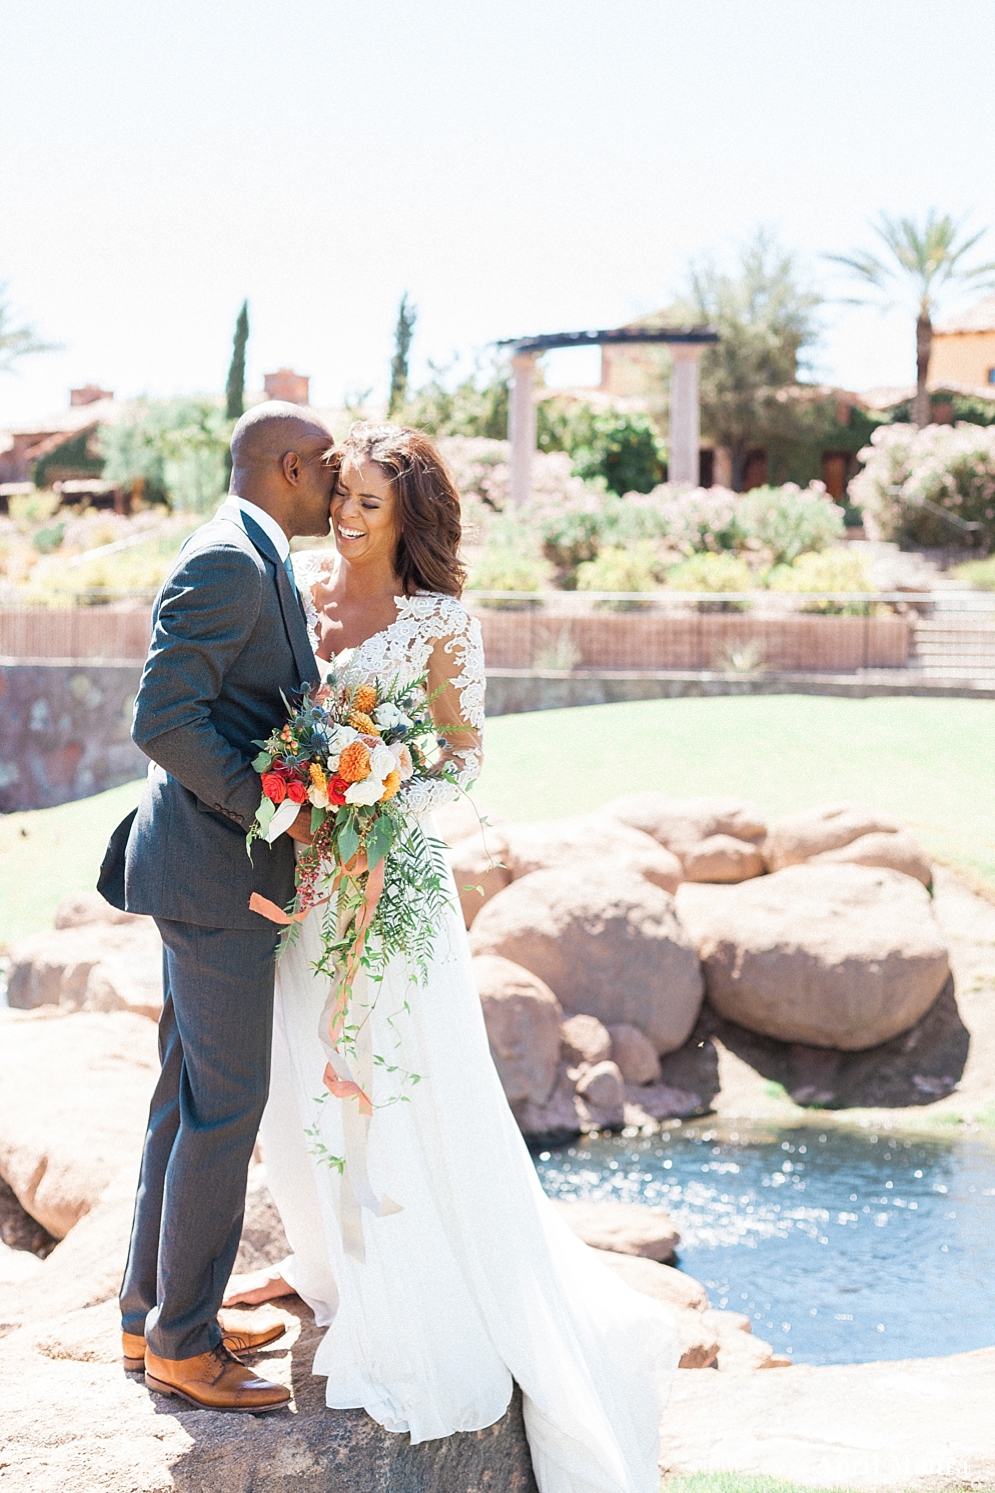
(923, 260)
(833, 570)
(929, 487)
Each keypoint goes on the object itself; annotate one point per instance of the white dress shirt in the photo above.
(268, 524)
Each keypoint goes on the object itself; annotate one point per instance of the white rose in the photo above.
(318, 797)
(339, 738)
(381, 762)
(366, 792)
(387, 716)
(402, 759)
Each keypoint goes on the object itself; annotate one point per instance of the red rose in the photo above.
(296, 791)
(282, 771)
(274, 787)
(336, 791)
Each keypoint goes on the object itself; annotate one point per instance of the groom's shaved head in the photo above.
(282, 460)
(269, 430)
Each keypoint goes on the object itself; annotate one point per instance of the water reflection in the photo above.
(843, 1245)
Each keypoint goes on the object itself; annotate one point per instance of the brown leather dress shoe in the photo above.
(214, 1381)
(241, 1332)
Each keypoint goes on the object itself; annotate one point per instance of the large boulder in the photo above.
(799, 837)
(601, 1091)
(839, 956)
(899, 851)
(623, 1228)
(522, 1016)
(465, 818)
(634, 1054)
(607, 942)
(80, 909)
(74, 1100)
(479, 871)
(549, 843)
(585, 1040)
(89, 966)
(716, 839)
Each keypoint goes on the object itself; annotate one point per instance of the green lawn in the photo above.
(931, 763)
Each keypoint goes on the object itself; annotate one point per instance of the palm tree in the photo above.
(924, 260)
(17, 341)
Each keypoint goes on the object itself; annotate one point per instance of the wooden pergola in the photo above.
(688, 344)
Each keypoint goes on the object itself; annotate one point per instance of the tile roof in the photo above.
(980, 318)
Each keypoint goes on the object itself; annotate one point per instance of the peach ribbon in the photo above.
(355, 1189)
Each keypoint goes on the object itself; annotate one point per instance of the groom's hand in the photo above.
(301, 827)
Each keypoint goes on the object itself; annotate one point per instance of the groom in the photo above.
(229, 642)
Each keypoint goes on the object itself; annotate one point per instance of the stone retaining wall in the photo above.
(65, 731)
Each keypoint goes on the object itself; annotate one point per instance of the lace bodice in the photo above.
(434, 635)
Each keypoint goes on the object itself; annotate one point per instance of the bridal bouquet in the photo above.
(347, 749)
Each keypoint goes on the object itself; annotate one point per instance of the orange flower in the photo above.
(362, 723)
(318, 778)
(354, 763)
(364, 699)
(391, 784)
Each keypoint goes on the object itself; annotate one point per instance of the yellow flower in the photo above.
(363, 723)
(364, 699)
(318, 778)
(391, 784)
(354, 763)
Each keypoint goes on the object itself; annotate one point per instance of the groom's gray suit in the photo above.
(229, 641)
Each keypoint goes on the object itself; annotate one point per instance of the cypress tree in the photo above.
(235, 387)
(403, 333)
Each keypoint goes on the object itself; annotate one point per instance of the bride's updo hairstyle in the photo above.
(427, 505)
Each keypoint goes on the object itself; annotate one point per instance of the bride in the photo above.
(421, 1238)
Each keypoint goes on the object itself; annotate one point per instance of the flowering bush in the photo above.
(952, 467)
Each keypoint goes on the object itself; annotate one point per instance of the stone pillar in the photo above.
(685, 422)
(522, 426)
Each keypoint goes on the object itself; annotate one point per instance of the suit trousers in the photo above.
(215, 1036)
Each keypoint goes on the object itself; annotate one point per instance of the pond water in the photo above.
(843, 1245)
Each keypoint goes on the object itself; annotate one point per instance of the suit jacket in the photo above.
(229, 641)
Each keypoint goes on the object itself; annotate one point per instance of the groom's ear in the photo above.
(291, 466)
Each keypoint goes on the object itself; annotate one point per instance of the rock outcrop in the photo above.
(523, 1017)
(846, 832)
(74, 1098)
(840, 956)
(607, 945)
(90, 966)
(623, 1228)
(547, 844)
(716, 839)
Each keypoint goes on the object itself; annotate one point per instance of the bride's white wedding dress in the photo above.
(475, 1281)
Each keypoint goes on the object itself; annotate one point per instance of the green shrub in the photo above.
(834, 570)
(979, 573)
(177, 447)
(621, 449)
(29, 510)
(711, 572)
(785, 522)
(48, 539)
(636, 568)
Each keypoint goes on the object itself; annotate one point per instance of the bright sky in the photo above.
(516, 165)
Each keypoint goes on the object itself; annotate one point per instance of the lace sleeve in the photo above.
(456, 663)
(309, 568)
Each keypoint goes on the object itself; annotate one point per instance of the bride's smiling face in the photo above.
(364, 512)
